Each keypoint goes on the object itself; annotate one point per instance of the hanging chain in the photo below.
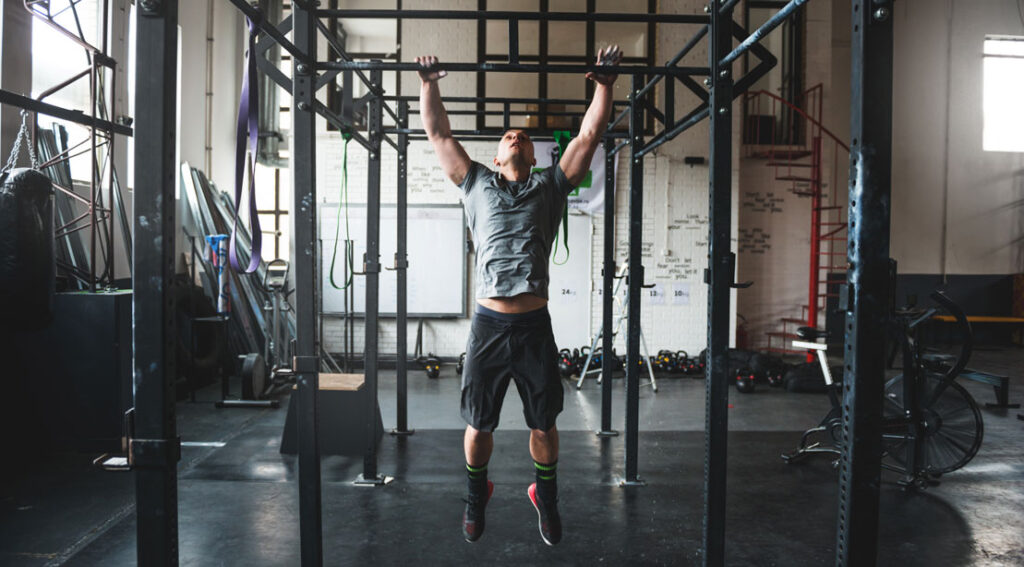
(23, 134)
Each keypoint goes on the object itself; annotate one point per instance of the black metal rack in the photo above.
(858, 520)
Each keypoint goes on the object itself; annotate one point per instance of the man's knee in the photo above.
(476, 436)
(544, 436)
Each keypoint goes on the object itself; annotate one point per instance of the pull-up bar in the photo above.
(502, 100)
(766, 28)
(499, 15)
(515, 68)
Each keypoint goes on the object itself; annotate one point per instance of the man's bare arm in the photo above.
(454, 160)
(576, 161)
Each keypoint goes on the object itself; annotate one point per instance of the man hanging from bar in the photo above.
(513, 214)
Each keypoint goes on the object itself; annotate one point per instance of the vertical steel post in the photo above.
(303, 247)
(371, 267)
(93, 164)
(110, 137)
(635, 280)
(607, 305)
(401, 272)
(155, 447)
(815, 271)
(867, 309)
(721, 265)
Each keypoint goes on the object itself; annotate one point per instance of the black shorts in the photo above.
(504, 346)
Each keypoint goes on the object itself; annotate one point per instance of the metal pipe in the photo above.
(503, 113)
(340, 50)
(43, 95)
(720, 275)
(155, 448)
(815, 264)
(60, 29)
(304, 236)
(625, 112)
(208, 129)
(619, 147)
(402, 274)
(607, 301)
(78, 117)
(635, 281)
(869, 278)
(505, 15)
(390, 112)
(92, 180)
(110, 173)
(728, 6)
(371, 270)
(268, 28)
(695, 116)
(514, 68)
(502, 100)
(419, 134)
(759, 34)
(678, 57)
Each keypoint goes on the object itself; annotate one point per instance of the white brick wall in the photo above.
(680, 202)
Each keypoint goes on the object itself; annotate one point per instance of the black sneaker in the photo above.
(473, 517)
(548, 520)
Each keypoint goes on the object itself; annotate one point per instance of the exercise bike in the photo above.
(931, 425)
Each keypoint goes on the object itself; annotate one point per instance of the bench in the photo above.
(995, 319)
(343, 416)
(1001, 384)
(980, 319)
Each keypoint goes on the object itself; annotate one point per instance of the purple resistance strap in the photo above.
(248, 130)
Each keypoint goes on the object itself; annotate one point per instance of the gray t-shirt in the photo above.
(514, 225)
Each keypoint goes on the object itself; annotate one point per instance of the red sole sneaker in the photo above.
(472, 530)
(541, 527)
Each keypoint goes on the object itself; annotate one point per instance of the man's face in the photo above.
(515, 146)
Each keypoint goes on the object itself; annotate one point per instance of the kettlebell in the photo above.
(565, 364)
(745, 380)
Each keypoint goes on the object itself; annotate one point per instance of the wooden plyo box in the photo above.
(344, 415)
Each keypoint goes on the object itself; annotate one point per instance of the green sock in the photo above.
(547, 487)
(477, 477)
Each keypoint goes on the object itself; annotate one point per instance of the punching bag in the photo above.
(27, 269)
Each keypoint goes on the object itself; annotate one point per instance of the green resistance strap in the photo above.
(562, 138)
(342, 201)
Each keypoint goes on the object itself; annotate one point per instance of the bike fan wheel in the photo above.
(953, 426)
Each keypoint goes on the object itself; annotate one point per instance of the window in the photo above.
(273, 195)
(1003, 68)
(769, 119)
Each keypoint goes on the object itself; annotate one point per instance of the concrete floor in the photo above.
(238, 503)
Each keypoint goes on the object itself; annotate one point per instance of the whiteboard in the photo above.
(569, 290)
(436, 252)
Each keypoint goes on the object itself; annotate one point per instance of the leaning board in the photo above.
(436, 252)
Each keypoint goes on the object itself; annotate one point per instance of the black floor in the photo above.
(238, 503)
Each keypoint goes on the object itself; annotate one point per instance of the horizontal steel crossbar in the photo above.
(76, 116)
(502, 100)
(514, 68)
(523, 16)
(766, 28)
